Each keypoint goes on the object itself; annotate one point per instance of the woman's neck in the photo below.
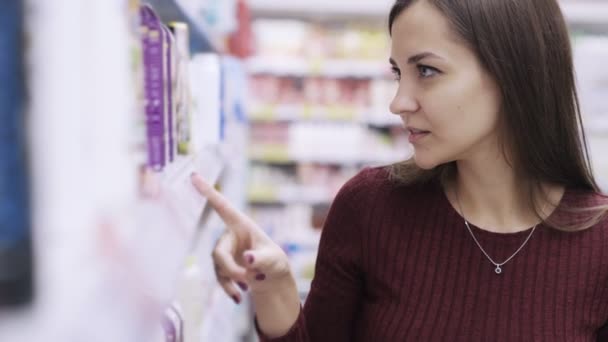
(491, 196)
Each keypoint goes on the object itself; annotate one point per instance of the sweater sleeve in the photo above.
(330, 311)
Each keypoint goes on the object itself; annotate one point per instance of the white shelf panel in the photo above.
(289, 195)
(576, 11)
(339, 160)
(315, 8)
(335, 114)
(333, 68)
(166, 224)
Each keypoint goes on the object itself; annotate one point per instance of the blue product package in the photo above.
(15, 238)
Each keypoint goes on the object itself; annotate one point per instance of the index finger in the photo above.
(229, 214)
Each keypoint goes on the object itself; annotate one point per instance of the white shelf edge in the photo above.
(376, 9)
(371, 116)
(176, 180)
(575, 11)
(327, 160)
(293, 195)
(297, 119)
(166, 225)
(333, 68)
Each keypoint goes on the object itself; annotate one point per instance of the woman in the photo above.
(493, 231)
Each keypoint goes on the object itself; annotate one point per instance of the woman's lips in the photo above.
(416, 135)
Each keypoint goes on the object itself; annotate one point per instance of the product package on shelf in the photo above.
(154, 47)
(183, 95)
(15, 234)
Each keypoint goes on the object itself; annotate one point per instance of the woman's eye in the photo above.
(396, 74)
(427, 71)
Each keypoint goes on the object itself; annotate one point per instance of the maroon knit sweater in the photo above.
(398, 264)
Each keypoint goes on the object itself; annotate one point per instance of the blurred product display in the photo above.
(319, 113)
(112, 105)
(116, 124)
(16, 287)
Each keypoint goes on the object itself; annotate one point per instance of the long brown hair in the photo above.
(525, 46)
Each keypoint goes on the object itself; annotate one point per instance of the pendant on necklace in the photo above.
(498, 270)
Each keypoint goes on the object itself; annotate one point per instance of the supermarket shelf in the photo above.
(288, 195)
(325, 159)
(275, 112)
(174, 10)
(176, 184)
(374, 9)
(170, 219)
(332, 68)
(581, 12)
(337, 114)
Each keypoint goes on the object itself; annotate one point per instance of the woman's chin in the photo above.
(424, 162)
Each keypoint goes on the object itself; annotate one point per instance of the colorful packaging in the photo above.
(155, 79)
(15, 239)
(183, 92)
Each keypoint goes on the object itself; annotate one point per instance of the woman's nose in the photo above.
(404, 101)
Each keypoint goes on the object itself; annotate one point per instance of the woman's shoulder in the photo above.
(376, 184)
(579, 207)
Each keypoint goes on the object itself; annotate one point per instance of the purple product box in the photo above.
(154, 84)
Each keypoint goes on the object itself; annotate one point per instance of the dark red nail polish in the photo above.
(236, 299)
(260, 277)
(250, 259)
(243, 286)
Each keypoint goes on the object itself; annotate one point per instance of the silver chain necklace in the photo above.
(498, 269)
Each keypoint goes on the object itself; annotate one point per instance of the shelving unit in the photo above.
(171, 219)
(334, 68)
(579, 12)
(316, 122)
(110, 240)
(293, 114)
(315, 8)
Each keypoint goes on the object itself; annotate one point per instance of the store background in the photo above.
(276, 102)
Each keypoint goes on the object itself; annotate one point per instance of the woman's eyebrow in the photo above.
(416, 58)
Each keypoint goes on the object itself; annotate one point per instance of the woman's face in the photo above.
(448, 102)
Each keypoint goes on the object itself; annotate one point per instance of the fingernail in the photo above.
(260, 277)
(236, 299)
(250, 259)
(243, 286)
